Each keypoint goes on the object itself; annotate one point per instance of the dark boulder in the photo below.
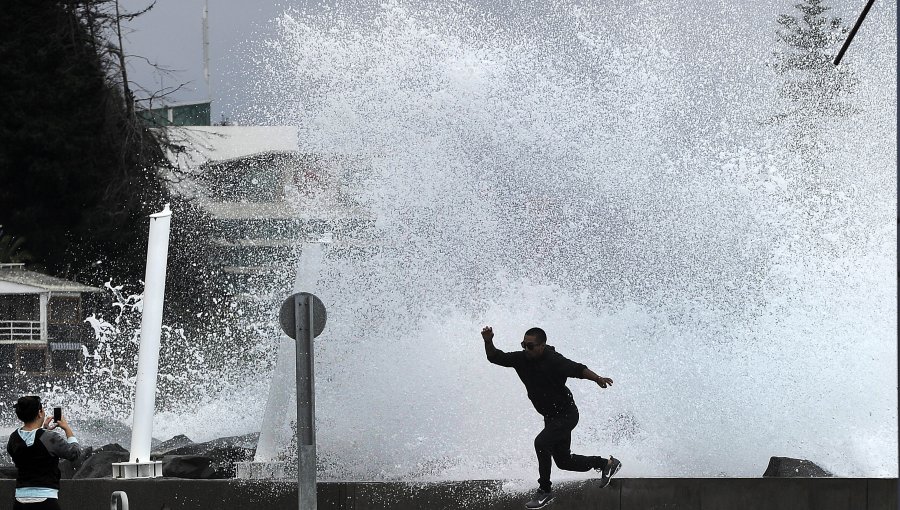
(68, 468)
(222, 453)
(245, 442)
(170, 444)
(99, 463)
(786, 467)
(189, 466)
(113, 447)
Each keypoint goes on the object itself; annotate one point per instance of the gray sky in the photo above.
(170, 35)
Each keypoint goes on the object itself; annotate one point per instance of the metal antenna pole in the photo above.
(840, 55)
(206, 49)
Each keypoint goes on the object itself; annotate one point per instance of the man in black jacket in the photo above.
(36, 449)
(544, 372)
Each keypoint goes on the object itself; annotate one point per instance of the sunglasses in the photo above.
(529, 346)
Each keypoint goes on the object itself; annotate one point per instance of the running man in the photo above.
(544, 372)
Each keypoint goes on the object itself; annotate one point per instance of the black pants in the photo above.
(48, 504)
(555, 442)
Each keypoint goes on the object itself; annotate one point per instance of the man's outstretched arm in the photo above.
(571, 368)
(587, 373)
(487, 334)
(494, 355)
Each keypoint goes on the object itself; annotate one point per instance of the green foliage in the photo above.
(814, 94)
(79, 172)
(68, 176)
(11, 249)
(813, 86)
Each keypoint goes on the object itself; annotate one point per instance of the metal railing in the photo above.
(20, 331)
(118, 501)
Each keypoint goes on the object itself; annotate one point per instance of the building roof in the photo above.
(210, 144)
(243, 172)
(210, 150)
(280, 210)
(17, 275)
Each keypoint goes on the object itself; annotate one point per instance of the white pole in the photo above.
(151, 326)
(276, 426)
(275, 431)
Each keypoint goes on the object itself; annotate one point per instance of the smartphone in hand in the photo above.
(57, 414)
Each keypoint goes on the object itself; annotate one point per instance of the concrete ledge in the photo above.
(622, 494)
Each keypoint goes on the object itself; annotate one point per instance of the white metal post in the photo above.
(139, 465)
(276, 427)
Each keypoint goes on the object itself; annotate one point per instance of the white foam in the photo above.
(603, 175)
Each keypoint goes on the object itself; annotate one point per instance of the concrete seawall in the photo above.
(622, 494)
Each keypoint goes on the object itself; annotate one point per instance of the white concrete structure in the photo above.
(264, 196)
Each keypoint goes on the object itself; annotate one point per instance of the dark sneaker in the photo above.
(612, 467)
(540, 500)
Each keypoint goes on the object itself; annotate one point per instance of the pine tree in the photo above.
(812, 84)
(813, 90)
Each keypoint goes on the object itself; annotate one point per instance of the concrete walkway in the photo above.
(622, 494)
